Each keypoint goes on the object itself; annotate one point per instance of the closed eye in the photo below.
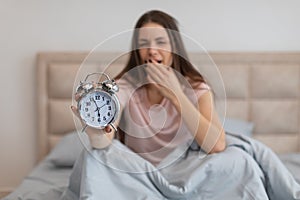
(144, 44)
(161, 40)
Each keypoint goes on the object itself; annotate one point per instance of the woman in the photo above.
(165, 102)
(162, 80)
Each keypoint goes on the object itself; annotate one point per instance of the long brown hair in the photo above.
(180, 58)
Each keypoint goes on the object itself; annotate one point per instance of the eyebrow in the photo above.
(143, 40)
(146, 40)
(160, 38)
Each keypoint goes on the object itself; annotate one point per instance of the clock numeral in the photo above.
(108, 114)
(88, 103)
(88, 115)
(93, 118)
(86, 109)
(99, 119)
(97, 97)
(104, 118)
(109, 107)
(107, 102)
(102, 98)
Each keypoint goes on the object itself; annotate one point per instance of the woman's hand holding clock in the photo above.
(97, 120)
(99, 138)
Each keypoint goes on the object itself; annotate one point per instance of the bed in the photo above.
(262, 93)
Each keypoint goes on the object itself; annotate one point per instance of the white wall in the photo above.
(28, 27)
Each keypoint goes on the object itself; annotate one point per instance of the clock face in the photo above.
(97, 109)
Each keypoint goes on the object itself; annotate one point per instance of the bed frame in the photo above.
(260, 87)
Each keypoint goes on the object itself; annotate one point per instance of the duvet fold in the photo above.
(247, 169)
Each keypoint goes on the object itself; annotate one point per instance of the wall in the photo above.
(28, 27)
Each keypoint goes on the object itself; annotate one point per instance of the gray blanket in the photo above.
(247, 169)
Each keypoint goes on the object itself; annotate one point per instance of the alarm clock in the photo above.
(98, 105)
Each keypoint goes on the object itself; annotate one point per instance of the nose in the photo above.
(152, 50)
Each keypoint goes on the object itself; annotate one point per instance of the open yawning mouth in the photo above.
(156, 60)
(152, 59)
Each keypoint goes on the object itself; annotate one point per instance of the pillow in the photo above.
(66, 152)
(238, 126)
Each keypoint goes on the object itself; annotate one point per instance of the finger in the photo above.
(75, 111)
(77, 96)
(155, 84)
(108, 129)
(159, 70)
(154, 74)
(161, 67)
(150, 80)
(153, 79)
(157, 79)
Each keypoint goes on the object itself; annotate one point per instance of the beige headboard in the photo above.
(261, 87)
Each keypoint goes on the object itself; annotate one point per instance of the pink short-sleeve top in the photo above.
(153, 131)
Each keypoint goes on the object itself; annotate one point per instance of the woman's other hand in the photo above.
(164, 79)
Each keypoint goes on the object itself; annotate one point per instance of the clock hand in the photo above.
(97, 108)
(102, 105)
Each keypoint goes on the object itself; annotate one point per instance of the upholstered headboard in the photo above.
(261, 87)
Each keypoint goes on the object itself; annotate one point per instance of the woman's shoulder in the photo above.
(197, 85)
(200, 89)
(201, 86)
(196, 89)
